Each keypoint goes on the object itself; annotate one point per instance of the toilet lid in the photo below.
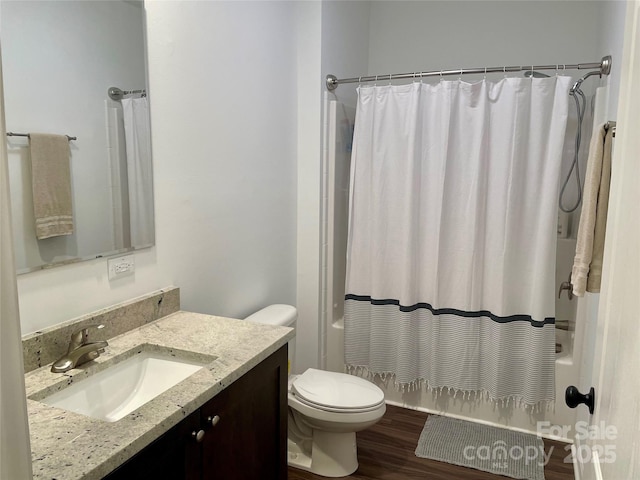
(337, 391)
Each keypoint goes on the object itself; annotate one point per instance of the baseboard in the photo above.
(596, 466)
(593, 464)
(577, 471)
(475, 420)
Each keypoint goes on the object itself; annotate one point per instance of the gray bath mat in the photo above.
(490, 449)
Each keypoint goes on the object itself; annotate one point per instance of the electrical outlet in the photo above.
(121, 266)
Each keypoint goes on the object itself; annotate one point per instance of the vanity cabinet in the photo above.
(240, 434)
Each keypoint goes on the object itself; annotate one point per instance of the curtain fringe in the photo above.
(515, 401)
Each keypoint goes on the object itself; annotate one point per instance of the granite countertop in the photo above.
(67, 446)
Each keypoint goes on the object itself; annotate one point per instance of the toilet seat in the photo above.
(336, 392)
(337, 410)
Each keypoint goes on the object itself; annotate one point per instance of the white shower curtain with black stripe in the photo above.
(452, 234)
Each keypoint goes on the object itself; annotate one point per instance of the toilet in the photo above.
(326, 409)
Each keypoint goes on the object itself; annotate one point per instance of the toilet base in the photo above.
(332, 454)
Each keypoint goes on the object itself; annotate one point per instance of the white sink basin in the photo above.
(118, 390)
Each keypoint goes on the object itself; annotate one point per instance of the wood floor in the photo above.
(386, 452)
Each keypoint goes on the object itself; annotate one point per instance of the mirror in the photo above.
(59, 60)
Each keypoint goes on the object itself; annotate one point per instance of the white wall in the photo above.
(409, 36)
(345, 52)
(223, 84)
(308, 301)
(52, 296)
(611, 38)
(345, 44)
(56, 84)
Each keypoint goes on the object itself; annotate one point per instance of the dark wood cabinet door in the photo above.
(176, 456)
(249, 438)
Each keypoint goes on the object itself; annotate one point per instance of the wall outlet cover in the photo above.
(121, 266)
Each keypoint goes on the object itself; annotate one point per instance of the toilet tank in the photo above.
(282, 316)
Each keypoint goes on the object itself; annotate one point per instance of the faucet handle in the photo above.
(80, 336)
(566, 286)
(85, 330)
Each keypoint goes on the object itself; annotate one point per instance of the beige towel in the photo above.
(587, 264)
(51, 181)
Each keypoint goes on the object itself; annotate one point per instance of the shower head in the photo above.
(576, 86)
(534, 74)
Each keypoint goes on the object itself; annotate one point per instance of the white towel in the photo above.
(51, 182)
(587, 264)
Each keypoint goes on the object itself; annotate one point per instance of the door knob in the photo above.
(573, 398)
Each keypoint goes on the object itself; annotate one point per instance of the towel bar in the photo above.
(11, 134)
(611, 125)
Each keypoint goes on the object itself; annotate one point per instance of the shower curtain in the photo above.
(140, 181)
(452, 231)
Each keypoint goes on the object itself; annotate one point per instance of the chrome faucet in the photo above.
(80, 350)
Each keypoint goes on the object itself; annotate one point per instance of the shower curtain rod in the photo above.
(116, 93)
(604, 66)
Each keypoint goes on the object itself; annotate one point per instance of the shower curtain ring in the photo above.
(485, 73)
(389, 79)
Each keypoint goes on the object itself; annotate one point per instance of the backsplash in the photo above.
(45, 346)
